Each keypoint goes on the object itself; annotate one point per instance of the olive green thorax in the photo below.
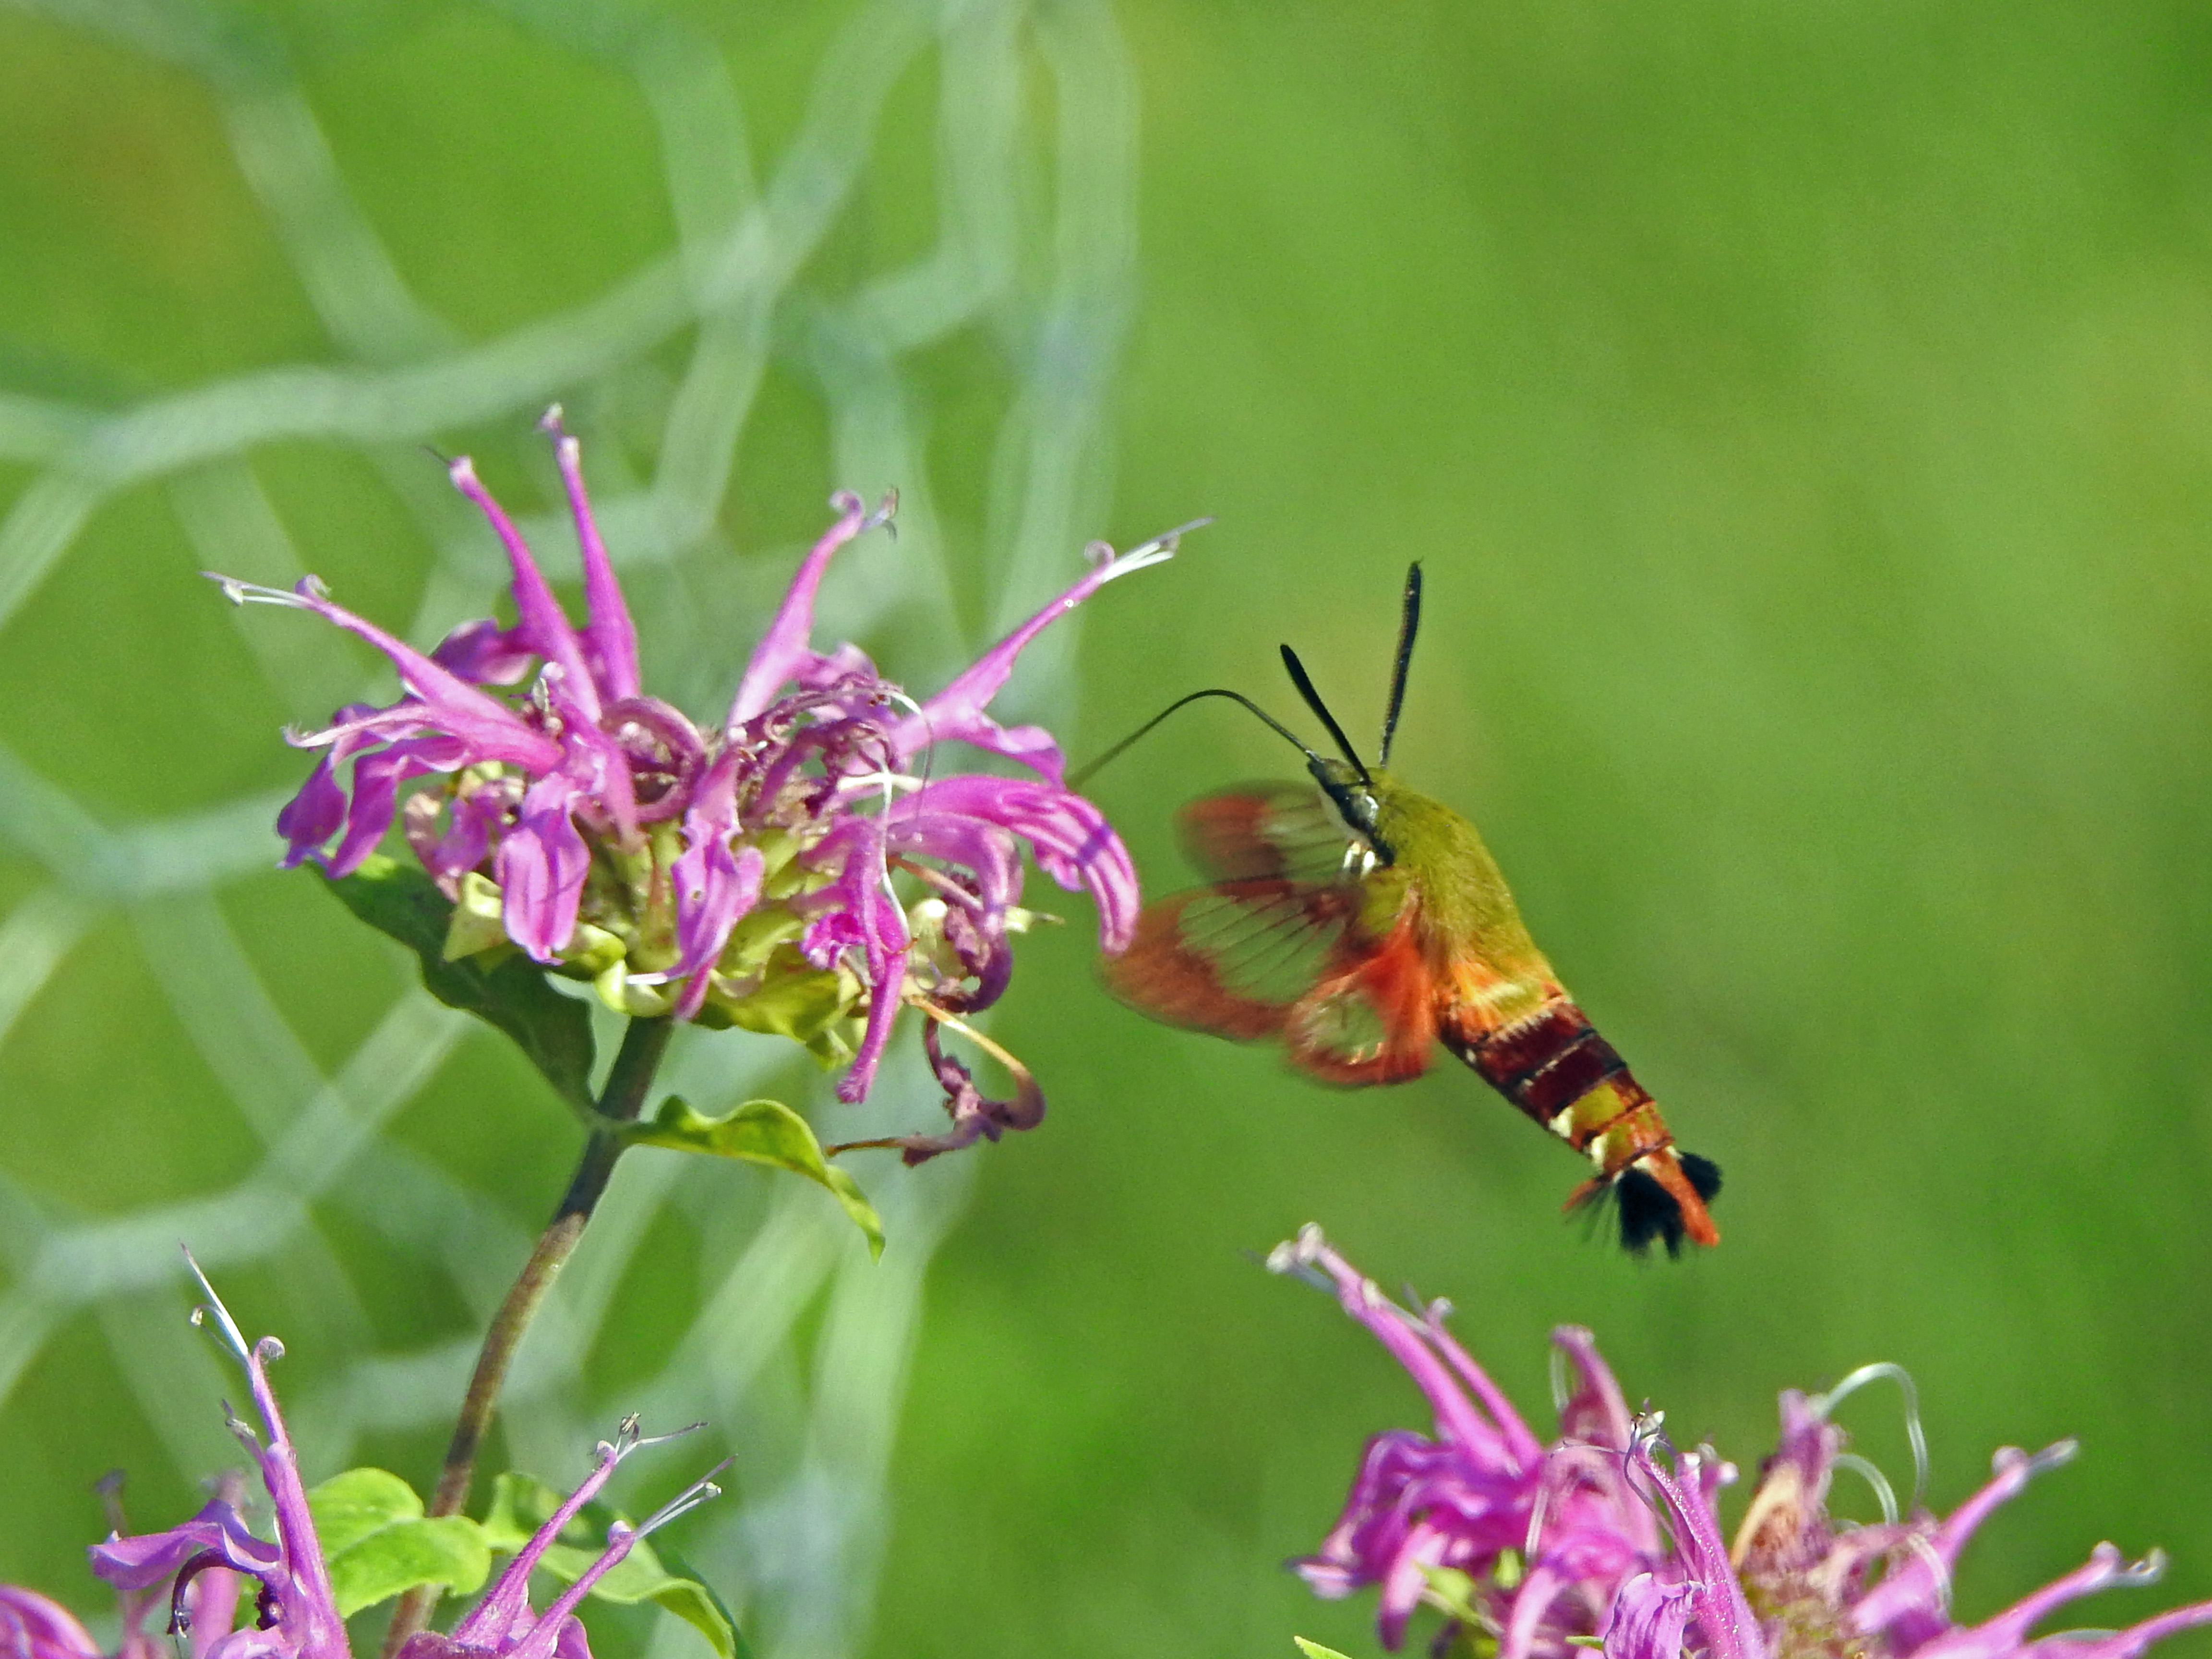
(1436, 855)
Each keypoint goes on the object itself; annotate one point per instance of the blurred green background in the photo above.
(1805, 416)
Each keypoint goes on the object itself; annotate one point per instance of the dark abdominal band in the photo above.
(1545, 1064)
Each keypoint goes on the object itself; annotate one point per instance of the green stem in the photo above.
(644, 1043)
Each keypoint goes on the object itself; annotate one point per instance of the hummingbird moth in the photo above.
(1362, 924)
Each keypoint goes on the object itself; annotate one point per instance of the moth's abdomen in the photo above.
(1554, 1065)
(1545, 1062)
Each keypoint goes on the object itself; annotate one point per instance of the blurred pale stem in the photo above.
(643, 1044)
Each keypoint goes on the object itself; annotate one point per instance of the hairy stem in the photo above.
(644, 1042)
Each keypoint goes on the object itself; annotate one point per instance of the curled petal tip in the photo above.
(1163, 546)
(2006, 1460)
(630, 1425)
(2148, 1571)
(1301, 1257)
(239, 591)
(550, 421)
(2057, 1454)
(699, 1492)
(1159, 550)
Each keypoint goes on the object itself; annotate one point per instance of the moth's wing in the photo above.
(1371, 1018)
(1265, 831)
(1235, 958)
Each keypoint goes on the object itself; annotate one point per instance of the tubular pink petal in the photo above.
(956, 714)
(311, 817)
(542, 622)
(1458, 1418)
(859, 914)
(714, 890)
(510, 741)
(2123, 1643)
(1522, 1445)
(1595, 1411)
(1917, 1590)
(1070, 838)
(491, 1623)
(1723, 1615)
(1405, 1583)
(303, 1594)
(449, 704)
(212, 1609)
(1532, 1603)
(783, 649)
(1649, 1620)
(557, 1633)
(541, 865)
(597, 768)
(484, 653)
(2005, 1634)
(299, 1619)
(876, 1035)
(376, 781)
(609, 636)
(502, 1623)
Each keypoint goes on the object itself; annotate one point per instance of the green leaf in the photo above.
(377, 1544)
(1314, 1651)
(503, 988)
(1454, 1590)
(519, 1505)
(759, 1132)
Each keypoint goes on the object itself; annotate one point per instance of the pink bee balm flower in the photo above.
(746, 873)
(195, 1571)
(1544, 1547)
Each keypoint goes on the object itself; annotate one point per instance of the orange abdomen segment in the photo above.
(1553, 1066)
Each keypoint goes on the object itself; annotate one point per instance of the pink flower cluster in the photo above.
(1606, 1535)
(738, 873)
(196, 1572)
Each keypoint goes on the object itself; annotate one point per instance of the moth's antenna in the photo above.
(1077, 778)
(1409, 623)
(1305, 685)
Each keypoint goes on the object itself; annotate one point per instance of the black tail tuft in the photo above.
(1649, 1211)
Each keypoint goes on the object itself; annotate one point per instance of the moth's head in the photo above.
(1356, 792)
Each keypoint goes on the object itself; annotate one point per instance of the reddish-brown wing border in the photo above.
(1258, 831)
(1168, 974)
